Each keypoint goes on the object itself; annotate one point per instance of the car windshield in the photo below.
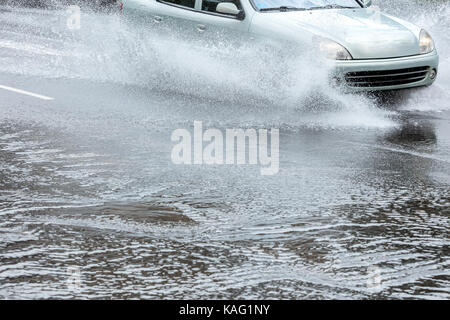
(284, 5)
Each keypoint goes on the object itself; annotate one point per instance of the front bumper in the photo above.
(384, 70)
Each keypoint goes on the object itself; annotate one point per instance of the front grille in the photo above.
(385, 78)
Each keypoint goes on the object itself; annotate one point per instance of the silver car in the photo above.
(369, 50)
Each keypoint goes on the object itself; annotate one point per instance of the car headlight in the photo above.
(333, 50)
(426, 43)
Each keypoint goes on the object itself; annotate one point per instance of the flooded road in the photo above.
(91, 205)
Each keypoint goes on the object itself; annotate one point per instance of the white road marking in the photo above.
(31, 94)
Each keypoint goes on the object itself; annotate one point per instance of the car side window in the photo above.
(183, 3)
(210, 5)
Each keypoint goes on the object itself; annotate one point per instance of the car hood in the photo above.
(365, 33)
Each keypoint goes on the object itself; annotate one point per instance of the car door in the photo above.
(192, 20)
(219, 28)
(170, 18)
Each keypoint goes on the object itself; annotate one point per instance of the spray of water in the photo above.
(433, 16)
(107, 48)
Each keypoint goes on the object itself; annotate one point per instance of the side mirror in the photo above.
(367, 3)
(230, 8)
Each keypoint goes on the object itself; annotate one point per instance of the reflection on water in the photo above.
(413, 134)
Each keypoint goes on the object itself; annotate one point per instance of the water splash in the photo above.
(432, 16)
(110, 49)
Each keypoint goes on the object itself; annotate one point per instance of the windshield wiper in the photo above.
(331, 6)
(288, 8)
(282, 8)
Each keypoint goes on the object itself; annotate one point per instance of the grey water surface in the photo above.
(91, 205)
